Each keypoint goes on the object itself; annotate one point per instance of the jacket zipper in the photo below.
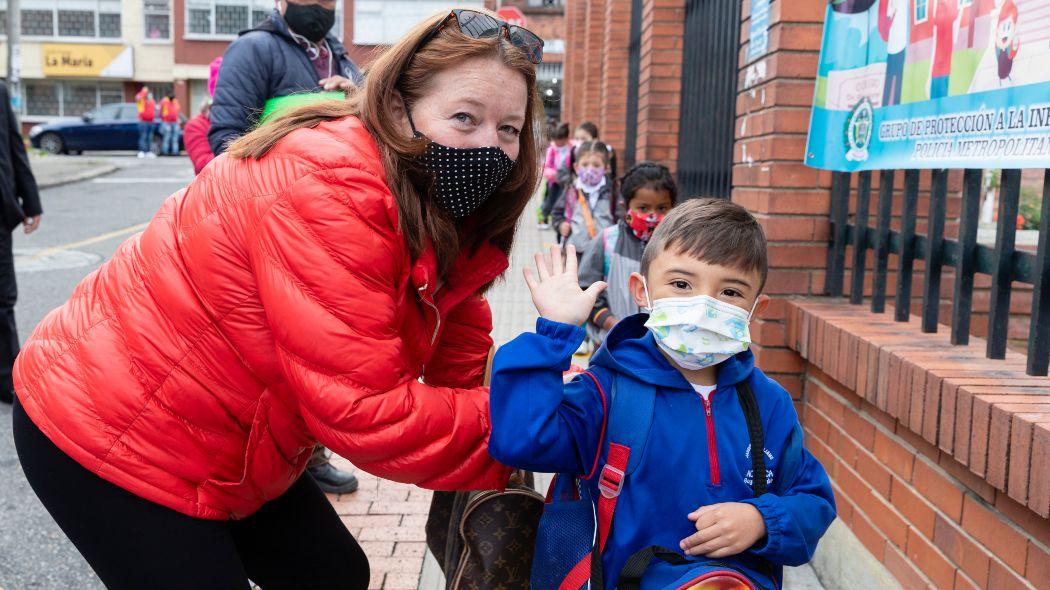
(712, 442)
(437, 314)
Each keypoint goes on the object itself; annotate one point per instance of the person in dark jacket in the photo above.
(290, 52)
(19, 204)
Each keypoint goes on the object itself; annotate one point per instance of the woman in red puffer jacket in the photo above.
(322, 282)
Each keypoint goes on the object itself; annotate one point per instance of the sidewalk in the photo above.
(51, 170)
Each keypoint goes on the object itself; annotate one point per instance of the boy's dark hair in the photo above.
(716, 231)
(590, 128)
(648, 175)
(559, 131)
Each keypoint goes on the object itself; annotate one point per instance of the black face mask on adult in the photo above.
(464, 178)
(311, 21)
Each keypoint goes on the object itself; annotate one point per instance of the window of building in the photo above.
(965, 3)
(70, 18)
(922, 10)
(384, 22)
(44, 98)
(223, 19)
(157, 14)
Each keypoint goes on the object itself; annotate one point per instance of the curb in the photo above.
(80, 176)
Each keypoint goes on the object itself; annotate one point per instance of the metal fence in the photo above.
(708, 101)
(1003, 262)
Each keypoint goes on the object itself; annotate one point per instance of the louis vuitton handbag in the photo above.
(485, 540)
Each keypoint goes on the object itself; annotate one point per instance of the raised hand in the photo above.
(556, 291)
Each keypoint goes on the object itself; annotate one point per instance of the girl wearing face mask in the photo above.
(649, 192)
(323, 281)
(589, 204)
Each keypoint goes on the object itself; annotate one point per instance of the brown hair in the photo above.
(559, 131)
(716, 231)
(403, 70)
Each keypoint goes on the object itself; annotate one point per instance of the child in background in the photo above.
(649, 191)
(585, 131)
(657, 434)
(588, 206)
(557, 169)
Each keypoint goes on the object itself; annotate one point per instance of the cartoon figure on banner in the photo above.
(944, 20)
(894, 24)
(858, 130)
(1006, 40)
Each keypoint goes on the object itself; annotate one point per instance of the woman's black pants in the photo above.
(295, 541)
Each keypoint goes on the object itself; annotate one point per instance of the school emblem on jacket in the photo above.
(858, 130)
(749, 477)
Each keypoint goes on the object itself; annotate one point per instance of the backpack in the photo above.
(574, 528)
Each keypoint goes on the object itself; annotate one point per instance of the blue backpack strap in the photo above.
(630, 416)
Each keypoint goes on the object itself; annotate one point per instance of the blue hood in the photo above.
(631, 349)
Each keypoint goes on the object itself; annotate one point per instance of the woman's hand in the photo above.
(724, 529)
(556, 291)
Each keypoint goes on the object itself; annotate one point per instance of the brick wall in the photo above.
(790, 200)
(941, 471)
(660, 81)
(596, 57)
(612, 115)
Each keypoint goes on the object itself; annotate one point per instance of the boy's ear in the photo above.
(763, 303)
(637, 287)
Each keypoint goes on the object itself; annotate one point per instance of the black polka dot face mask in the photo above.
(464, 178)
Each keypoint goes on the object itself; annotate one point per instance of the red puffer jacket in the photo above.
(269, 305)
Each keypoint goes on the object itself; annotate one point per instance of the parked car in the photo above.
(110, 127)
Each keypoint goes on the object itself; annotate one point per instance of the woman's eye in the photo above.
(511, 130)
(463, 117)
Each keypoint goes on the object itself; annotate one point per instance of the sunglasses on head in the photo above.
(478, 25)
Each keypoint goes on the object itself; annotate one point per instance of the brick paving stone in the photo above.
(401, 582)
(410, 549)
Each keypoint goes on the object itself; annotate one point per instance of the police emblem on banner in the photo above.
(858, 131)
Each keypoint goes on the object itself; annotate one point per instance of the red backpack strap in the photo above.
(610, 484)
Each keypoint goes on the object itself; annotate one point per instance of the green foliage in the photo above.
(1031, 206)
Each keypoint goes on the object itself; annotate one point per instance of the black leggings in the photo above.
(295, 541)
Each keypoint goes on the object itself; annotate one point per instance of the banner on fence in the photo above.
(932, 84)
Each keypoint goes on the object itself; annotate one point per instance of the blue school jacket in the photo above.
(541, 425)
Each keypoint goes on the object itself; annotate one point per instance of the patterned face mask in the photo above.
(643, 225)
(464, 178)
(698, 332)
(590, 177)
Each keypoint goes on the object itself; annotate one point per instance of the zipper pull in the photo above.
(707, 405)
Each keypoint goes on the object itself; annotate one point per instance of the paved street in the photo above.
(83, 224)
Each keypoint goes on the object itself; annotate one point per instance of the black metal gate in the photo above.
(634, 58)
(708, 99)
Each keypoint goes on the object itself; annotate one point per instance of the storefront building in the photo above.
(77, 55)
